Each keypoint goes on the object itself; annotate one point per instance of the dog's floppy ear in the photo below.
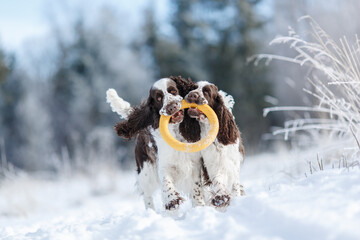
(228, 131)
(139, 119)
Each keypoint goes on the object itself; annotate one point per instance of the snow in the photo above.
(281, 203)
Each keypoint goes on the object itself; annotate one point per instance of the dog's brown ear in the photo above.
(228, 130)
(123, 130)
(140, 118)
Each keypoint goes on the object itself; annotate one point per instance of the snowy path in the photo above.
(324, 205)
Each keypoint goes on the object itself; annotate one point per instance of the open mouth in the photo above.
(177, 117)
(196, 113)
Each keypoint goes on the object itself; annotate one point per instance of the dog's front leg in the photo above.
(221, 196)
(171, 198)
(168, 174)
(214, 164)
(198, 194)
(197, 186)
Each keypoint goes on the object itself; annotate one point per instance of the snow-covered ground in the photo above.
(281, 203)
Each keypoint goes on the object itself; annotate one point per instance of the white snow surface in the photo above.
(281, 203)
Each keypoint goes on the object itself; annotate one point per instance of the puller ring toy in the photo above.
(196, 146)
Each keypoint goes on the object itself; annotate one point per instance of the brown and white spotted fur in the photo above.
(158, 164)
(222, 159)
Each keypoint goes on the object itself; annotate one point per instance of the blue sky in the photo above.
(23, 20)
(19, 20)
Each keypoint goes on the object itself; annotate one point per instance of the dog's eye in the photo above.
(172, 91)
(206, 91)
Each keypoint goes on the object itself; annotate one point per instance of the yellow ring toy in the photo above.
(196, 146)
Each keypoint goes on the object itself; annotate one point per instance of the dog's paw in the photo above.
(174, 204)
(221, 201)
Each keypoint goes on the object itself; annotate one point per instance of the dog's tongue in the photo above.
(194, 112)
(177, 116)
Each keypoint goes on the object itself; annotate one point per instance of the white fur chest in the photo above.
(180, 166)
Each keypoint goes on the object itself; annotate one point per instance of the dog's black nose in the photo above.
(171, 108)
(193, 97)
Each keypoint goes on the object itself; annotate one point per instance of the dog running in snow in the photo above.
(174, 172)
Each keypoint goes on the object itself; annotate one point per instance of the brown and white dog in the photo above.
(222, 159)
(158, 164)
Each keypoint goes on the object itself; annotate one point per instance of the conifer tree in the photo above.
(211, 40)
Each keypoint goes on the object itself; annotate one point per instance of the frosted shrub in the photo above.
(333, 124)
